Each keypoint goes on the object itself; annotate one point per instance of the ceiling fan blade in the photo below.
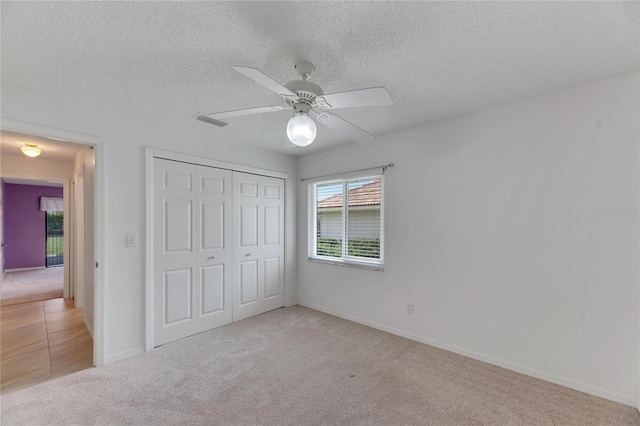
(265, 80)
(206, 119)
(356, 98)
(344, 127)
(246, 111)
(216, 118)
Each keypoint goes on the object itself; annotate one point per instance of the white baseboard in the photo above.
(123, 355)
(86, 324)
(559, 380)
(25, 269)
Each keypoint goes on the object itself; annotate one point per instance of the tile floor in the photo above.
(40, 341)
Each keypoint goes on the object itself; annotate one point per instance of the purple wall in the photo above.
(24, 224)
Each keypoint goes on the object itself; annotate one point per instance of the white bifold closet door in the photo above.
(258, 240)
(218, 247)
(192, 261)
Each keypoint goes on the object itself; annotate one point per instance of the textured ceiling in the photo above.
(11, 142)
(169, 60)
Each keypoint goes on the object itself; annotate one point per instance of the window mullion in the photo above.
(314, 232)
(345, 218)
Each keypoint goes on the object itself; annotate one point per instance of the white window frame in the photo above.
(312, 223)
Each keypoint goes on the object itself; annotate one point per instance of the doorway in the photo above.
(26, 205)
(50, 337)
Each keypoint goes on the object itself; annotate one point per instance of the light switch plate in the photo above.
(132, 240)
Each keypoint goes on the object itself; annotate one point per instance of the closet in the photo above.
(218, 247)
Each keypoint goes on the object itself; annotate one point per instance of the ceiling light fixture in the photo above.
(30, 150)
(301, 130)
(309, 104)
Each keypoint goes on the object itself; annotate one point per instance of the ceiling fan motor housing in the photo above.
(306, 91)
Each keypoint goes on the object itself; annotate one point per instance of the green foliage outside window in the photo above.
(364, 247)
(357, 247)
(329, 247)
(55, 238)
(55, 222)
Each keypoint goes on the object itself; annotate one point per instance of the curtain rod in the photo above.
(384, 169)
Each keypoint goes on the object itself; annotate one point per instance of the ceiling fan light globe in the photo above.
(301, 130)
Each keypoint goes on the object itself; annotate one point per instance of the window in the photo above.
(353, 235)
(54, 239)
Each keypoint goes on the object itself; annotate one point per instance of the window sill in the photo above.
(342, 262)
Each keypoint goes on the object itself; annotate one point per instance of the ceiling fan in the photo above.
(307, 100)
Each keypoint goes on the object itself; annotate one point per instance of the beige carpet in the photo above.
(32, 286)
(297, 366)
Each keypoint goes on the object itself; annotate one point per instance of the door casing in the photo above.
(99, 225)
(258, 244)
(78, 238)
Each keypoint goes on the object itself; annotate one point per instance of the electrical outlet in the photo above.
(132, 240)
(410, 308)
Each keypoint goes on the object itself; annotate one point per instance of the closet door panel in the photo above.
(248, 281)
(213, 289)
(272, 243)
(271, 277)
(192, 271)
(259, 244)
(215, 201)
(174, 254)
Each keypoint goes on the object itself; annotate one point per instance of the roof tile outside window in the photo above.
(365, 195)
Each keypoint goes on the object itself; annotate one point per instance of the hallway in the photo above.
(33, 285)
(40, 341)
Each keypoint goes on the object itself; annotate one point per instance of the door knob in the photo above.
(4, 244)
(211, 257)
(247, 255)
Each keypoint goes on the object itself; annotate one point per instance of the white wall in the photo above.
(85, 157)
(498, 230)
(125, 138)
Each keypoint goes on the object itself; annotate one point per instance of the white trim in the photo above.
(37, 130)
(148, 248)
(67, 250)
(559, 380)
(347, 262)
(32, 268)
(88, 325)
(79, 238)
(150, 154)
(100, 231)
(100, 227)
(201, 161)
(124, 355)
